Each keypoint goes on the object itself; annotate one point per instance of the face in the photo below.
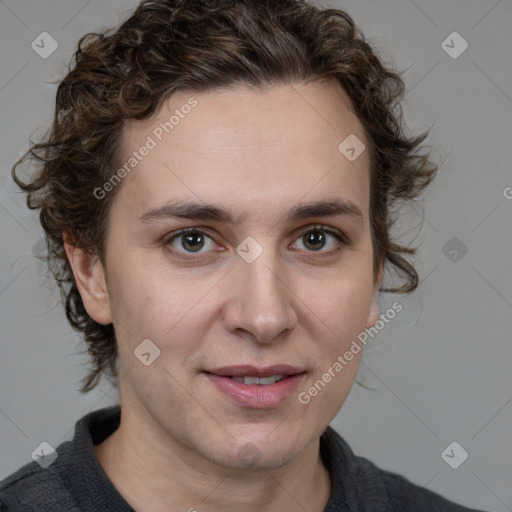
(265, 283)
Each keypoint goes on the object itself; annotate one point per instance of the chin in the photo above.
(259, 452)
(250, 458)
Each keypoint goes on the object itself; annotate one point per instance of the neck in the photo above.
(157, 477)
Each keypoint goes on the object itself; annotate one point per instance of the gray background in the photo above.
(441, 370)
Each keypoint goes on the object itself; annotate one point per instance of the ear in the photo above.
(374, 313)
(90, 280)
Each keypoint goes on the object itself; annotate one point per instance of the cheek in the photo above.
(339, 306)
(168, 308)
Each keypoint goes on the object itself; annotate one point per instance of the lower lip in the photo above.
(256, 396)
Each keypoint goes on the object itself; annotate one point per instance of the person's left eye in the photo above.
(319, 236)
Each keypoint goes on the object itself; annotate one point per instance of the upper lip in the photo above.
(253, 371)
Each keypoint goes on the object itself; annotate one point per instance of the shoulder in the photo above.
(360, 485)
(33, 487)
(403, 495)
(69, 478)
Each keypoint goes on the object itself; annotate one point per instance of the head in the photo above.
(242, 108)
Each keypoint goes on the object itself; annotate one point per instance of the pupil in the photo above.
(193, 241)
(315, 238)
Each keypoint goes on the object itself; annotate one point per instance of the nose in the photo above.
(259, 302)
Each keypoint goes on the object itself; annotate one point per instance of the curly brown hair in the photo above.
(197, 45)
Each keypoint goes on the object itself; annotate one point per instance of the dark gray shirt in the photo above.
(75, 481)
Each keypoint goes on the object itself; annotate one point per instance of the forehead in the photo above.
(243, 147)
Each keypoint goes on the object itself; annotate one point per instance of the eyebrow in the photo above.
(211, 212)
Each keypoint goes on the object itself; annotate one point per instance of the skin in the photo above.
(257, 154)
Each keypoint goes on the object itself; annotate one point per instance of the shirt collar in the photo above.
(94, 491)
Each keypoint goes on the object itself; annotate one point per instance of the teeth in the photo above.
(251, 380)
(263, 381)
(270, 380)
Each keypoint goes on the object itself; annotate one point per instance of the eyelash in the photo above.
(340, 237)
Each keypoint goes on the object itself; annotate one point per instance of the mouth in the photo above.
(256, 387)
(260, 381)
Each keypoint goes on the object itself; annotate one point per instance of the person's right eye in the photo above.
(189, 240)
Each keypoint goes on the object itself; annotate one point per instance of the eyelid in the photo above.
(176, 234)
(184, 231)
(337, 234)
(340, 236)
(327, 229)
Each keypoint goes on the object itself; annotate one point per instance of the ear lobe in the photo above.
(90, 280)
(374, 313)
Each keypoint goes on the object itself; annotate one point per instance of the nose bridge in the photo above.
(261, 303)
